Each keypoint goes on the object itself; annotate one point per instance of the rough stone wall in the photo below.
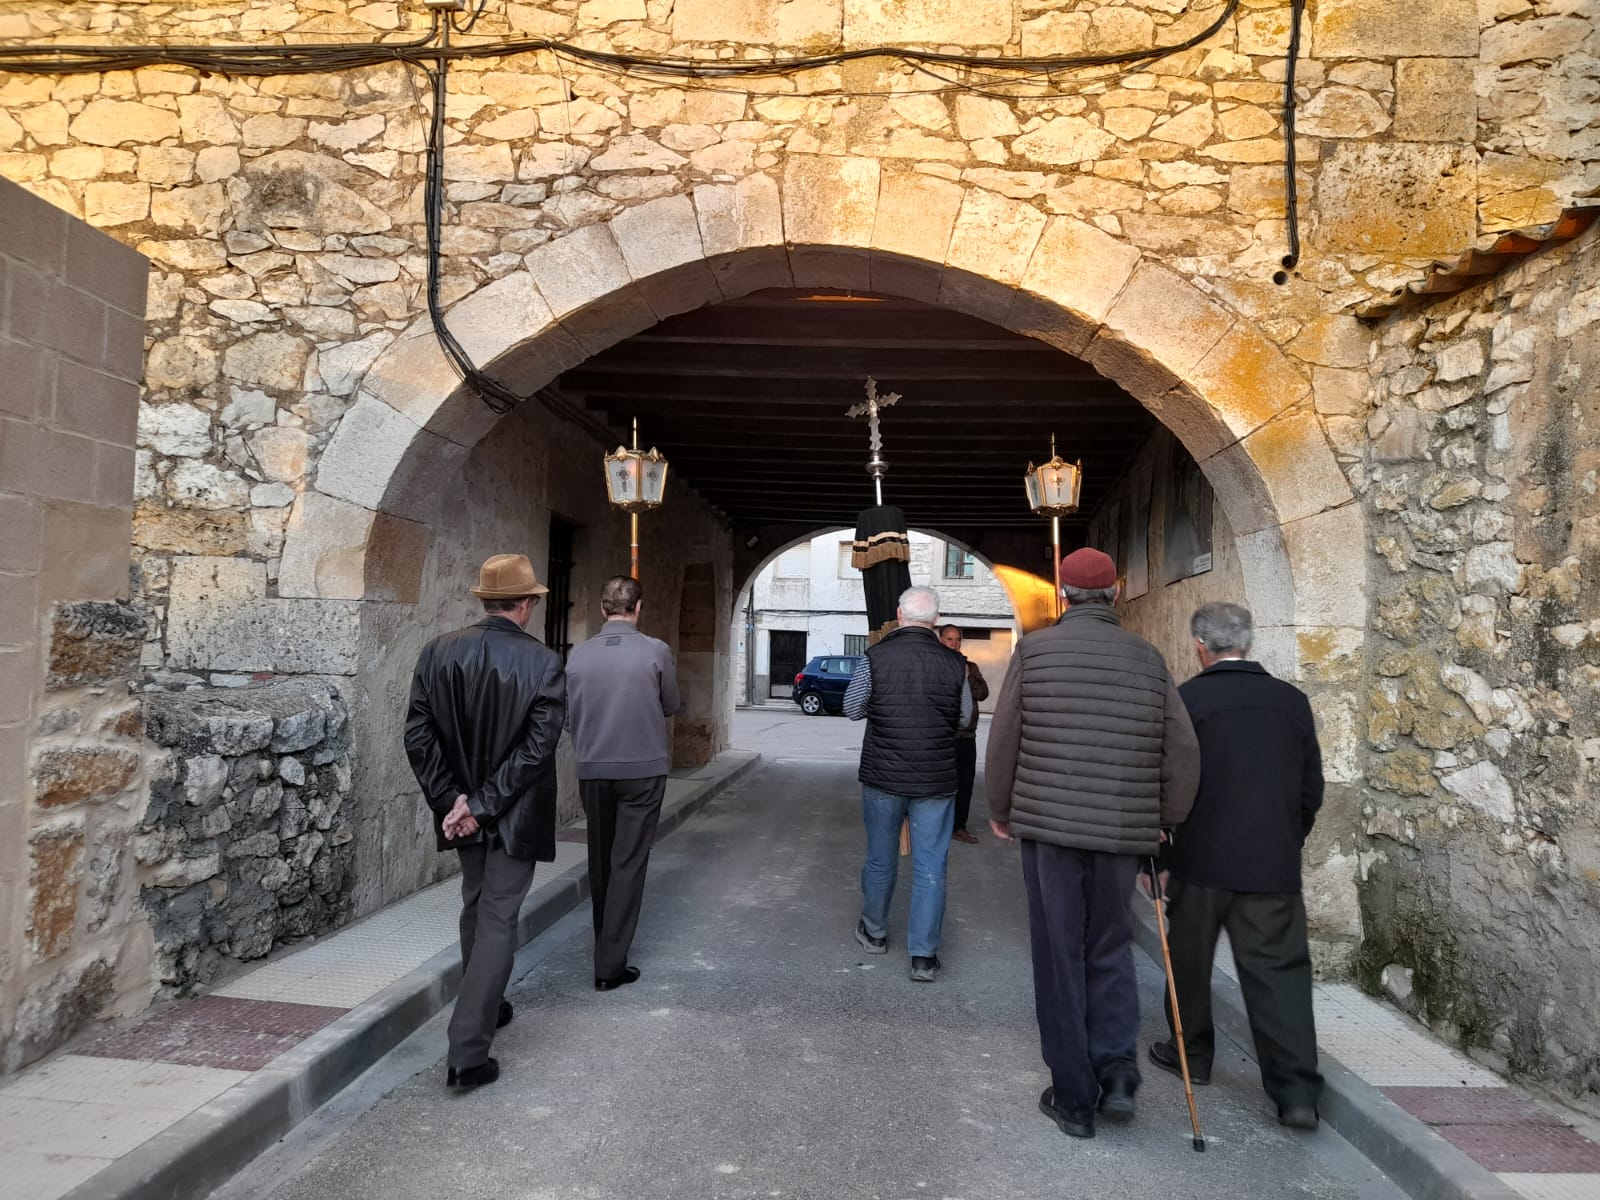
(246, 842)
(1481, 885)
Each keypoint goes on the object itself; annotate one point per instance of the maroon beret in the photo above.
(1088, 569)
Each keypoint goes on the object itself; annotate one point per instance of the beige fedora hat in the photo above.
(508, 577)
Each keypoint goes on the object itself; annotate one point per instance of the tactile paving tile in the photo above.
(218, 1031)
(1471, 1106)
(1555, 1186)
(1387, 1048)
(1525, 1147)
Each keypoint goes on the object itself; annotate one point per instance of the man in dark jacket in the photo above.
(913, 694)
(1090, 754)
(487, 703)
(624, 688)
(966, 738)
(1235, 863)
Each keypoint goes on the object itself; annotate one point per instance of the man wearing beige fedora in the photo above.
(487, 706)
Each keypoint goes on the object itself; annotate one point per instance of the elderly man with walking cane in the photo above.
(1235, 864)
(1090, 753)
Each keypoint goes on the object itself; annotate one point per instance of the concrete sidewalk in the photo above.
(1440, 1125)
(177, 1102)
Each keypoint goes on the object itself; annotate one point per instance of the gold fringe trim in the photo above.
(880, 547)
(882, 631)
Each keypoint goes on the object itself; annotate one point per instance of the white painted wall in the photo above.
(812, 588)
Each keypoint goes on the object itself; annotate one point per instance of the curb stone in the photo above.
(1420, 1162)
(206, 1148)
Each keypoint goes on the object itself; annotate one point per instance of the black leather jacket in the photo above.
(487, 706)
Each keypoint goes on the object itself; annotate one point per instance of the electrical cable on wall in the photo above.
(432, 53)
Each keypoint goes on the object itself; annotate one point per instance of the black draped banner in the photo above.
(882, 553)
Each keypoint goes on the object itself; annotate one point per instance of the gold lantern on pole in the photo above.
(1053, 490)
(635, 481)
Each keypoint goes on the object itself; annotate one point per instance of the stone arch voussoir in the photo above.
(1235, 400)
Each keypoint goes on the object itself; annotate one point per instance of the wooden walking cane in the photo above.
(1199, 1141)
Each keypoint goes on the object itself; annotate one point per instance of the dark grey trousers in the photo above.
(622, 824)
(493, 887)
(1268, 935)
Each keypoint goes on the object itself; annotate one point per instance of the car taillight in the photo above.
(798, 678)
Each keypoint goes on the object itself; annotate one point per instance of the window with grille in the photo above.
(855, 643)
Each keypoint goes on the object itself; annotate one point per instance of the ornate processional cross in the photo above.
(877, 467)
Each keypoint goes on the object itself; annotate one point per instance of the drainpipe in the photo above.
(750, 645)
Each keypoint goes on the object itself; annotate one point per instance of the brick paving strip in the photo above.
(1438, 1124)
(177, 1102)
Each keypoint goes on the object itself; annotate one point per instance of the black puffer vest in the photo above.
(913, 713)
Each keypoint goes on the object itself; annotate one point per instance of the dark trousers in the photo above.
(966, 772)
(1268, 935)
(493, 887)
(1081, 921)
(622, 824)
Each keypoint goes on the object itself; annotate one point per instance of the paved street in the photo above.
(762, 1055)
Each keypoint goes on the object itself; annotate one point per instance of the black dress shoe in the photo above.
(470, 1077)
(1165, 1056)
(1298, 1116)
(1066, 1122)
(505, 1016)
(629, 975)
(1116, 1099)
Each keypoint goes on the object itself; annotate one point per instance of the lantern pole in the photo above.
(633, 518)
(1055, 545)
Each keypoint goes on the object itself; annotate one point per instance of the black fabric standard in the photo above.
(886, 579)
(912, 714)
(1260, 781)
(1089, 768)
(487, 706)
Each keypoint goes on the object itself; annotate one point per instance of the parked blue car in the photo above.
(819, 688)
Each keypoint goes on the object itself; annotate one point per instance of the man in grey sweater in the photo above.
(621, 688)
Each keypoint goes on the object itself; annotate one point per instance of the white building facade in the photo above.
(808, 601)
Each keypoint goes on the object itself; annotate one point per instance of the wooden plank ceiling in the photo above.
(747, 401)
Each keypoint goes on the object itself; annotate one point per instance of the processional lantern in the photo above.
(635, 482)
(1053, 490)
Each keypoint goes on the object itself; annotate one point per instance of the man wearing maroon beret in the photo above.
(1091, 753)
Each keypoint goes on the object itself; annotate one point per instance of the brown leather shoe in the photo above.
(962, 835)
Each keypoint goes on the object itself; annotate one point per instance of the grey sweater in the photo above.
(621, 688)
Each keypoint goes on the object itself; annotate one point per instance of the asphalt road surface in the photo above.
(763, 1055)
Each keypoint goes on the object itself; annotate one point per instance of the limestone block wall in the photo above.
(72, 771)
(246, 840)
(1481, 883)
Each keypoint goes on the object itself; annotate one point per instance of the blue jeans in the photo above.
(931, 822)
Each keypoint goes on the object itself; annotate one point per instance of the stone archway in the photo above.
(1240, 406)
(360, 540)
